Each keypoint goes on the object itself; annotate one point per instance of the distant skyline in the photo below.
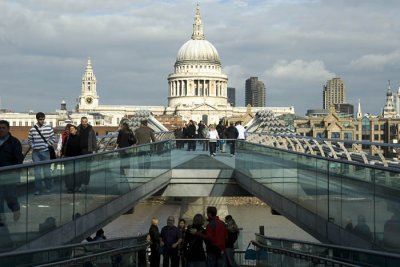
(293, 46)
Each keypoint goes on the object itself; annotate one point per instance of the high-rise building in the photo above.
(232, 96)
(334, 93)
(255, 92)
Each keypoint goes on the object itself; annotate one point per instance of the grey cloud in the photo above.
(133, 44)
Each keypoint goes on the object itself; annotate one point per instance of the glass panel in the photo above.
(43, 209)
(307, 182)
(321, 198)
(357, 196)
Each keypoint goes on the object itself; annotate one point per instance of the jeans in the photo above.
(232, 147)
(42, 172)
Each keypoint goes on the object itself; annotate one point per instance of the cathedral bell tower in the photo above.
(88, 100)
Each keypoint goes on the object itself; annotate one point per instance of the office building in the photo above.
(334, 93)
(232, 96)
(255, 92)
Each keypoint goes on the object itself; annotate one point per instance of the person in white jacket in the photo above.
(213, 137)
(242, 131)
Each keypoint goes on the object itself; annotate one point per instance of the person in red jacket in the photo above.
(215, 237)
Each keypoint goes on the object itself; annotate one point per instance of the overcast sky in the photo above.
(294, 46)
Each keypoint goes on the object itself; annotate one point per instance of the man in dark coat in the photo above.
(191, 134)
(10, 154)
(231, 133)
(88, 143)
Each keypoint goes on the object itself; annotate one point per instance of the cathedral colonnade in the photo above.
(197, 87)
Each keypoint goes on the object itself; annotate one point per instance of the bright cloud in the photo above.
(299, 70)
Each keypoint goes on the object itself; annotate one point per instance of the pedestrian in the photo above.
(215, 237)
(242, 131)
(200, 133)
(213, 138)
(178, 133)
(154, 238)
(193, 243)
(40, 137)
(221, 133)
(170, 238)
(125, 138)
(88, 143)
(144, 135)
(10, 154)
(61, 140)
(191, 135)
(233, 233)
(72, 148)
(181, 249)
(231, 133)
(98, 237)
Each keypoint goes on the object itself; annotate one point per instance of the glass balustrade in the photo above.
(362, 199)
(72, 187)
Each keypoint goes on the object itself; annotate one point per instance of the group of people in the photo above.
(185, 245)
(210, 136)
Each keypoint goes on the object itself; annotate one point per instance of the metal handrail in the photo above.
(305, 256)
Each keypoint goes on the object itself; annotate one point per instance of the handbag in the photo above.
(50, 147)
(252, 254)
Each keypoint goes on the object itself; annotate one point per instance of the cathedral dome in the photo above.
(198, 50)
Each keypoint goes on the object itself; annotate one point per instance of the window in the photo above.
(376, 127)
(348, 136)
(335, 135)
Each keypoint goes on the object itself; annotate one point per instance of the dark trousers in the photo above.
(173, 256)
(232, 147)
(85, 173)
(155, 255)
(213, 147)
(192, 144)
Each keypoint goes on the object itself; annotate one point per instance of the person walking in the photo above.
(233, 233)
(221, 133)
(154, 238)
(10, 154)
(72, 148)
(213, 138)
(40, 137)
(170, 238)
(125, 138)
(193, 243)
(88, 143)
(241, 130)
(191, 136)
(144, 135)
(231, 133)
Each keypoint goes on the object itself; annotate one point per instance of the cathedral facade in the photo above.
(197, 89)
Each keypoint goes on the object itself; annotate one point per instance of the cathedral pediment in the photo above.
(204, 106)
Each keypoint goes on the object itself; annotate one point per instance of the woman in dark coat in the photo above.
(72, 148)
(193, 243)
